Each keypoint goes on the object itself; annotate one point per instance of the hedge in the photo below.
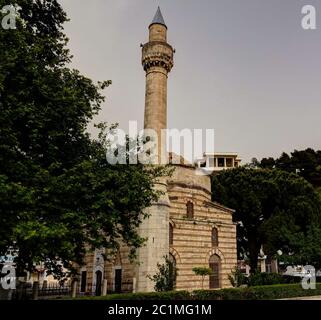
(264, 278)
(170, 295)
(280, 291)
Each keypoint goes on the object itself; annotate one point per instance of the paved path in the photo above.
(305, 298)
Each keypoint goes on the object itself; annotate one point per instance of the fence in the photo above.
(89, 290)
(27, 291)
(92, 290)
(55, 290)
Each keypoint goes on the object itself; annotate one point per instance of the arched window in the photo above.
(190, 210)
(214, 237)
(171, 234)
(215, 266)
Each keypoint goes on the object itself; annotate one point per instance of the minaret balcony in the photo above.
(158, 54)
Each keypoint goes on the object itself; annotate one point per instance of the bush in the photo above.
(169, 295)
(263, 279)
(165, 278)
(237, 278)
(279, 291)
(266, 292)
(292, 279)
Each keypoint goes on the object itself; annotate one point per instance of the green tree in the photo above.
(273, 208)
(305, 248)
(165, 278)
(202, 272)
(58, 194)
(306, 163)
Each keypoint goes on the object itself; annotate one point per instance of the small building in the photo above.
(218, 161)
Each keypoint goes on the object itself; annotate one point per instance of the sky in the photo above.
(245, 68)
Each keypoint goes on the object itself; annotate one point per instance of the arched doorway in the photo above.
(83, 280)
(215, 266)
(99, 276)
(117, 271)
(118, 280)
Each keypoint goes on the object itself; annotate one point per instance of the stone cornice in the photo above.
(183, 185)
(218, 206)
(204, 221)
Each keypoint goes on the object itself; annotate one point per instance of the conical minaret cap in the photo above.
(158, 19)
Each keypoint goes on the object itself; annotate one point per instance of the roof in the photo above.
(227, 154)
(158, 18)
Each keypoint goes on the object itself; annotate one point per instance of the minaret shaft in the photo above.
(156, 99)
(157, 60)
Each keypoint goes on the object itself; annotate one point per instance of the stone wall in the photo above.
(192, 238)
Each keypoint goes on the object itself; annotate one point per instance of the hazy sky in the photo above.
(243, 67)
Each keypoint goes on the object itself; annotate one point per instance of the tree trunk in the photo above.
(254, 250)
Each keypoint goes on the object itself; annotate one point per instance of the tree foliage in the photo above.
(306, 163)
(58, 194)
(165, 277)
(274, 208)
(202, 272)
(237, 278)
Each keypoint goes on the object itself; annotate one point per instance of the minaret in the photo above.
(157, 62)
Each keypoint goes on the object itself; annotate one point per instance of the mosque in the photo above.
(184, 224)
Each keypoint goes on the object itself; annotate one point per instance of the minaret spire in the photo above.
(158, 18)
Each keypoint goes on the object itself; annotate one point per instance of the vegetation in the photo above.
(280, 291)
(252, 293)
(202, 272)
(165, 278)
(306, 163)
(237, 278)
(58, 194)
(274, 208)
(169, 295)
(264, 278)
